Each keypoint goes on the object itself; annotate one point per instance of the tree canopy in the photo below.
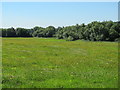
(94, 31)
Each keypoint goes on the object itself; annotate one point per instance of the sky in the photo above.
(31, 14)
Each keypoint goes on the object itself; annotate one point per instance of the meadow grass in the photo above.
(55, 63)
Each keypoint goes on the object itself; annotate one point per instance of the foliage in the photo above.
(94, 31)
(21, 32)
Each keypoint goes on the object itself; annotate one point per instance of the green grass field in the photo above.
(54, 63)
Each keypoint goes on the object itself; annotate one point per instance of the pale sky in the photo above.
(30, 14)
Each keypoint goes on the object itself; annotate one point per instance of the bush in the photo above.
(70, 38)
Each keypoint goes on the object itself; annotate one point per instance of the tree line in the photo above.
(94, 31)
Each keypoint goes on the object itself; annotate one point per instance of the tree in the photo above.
(3, 32)
(10, 32)
(50, 31)
(94, 31)
(21, 32)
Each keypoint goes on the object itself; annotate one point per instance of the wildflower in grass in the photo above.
(13, 68)
(35, 65)
(70, 80)
(71, 75)
(77, 63)
(11, 77)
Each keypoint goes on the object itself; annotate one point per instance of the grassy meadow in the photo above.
(55, 63)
